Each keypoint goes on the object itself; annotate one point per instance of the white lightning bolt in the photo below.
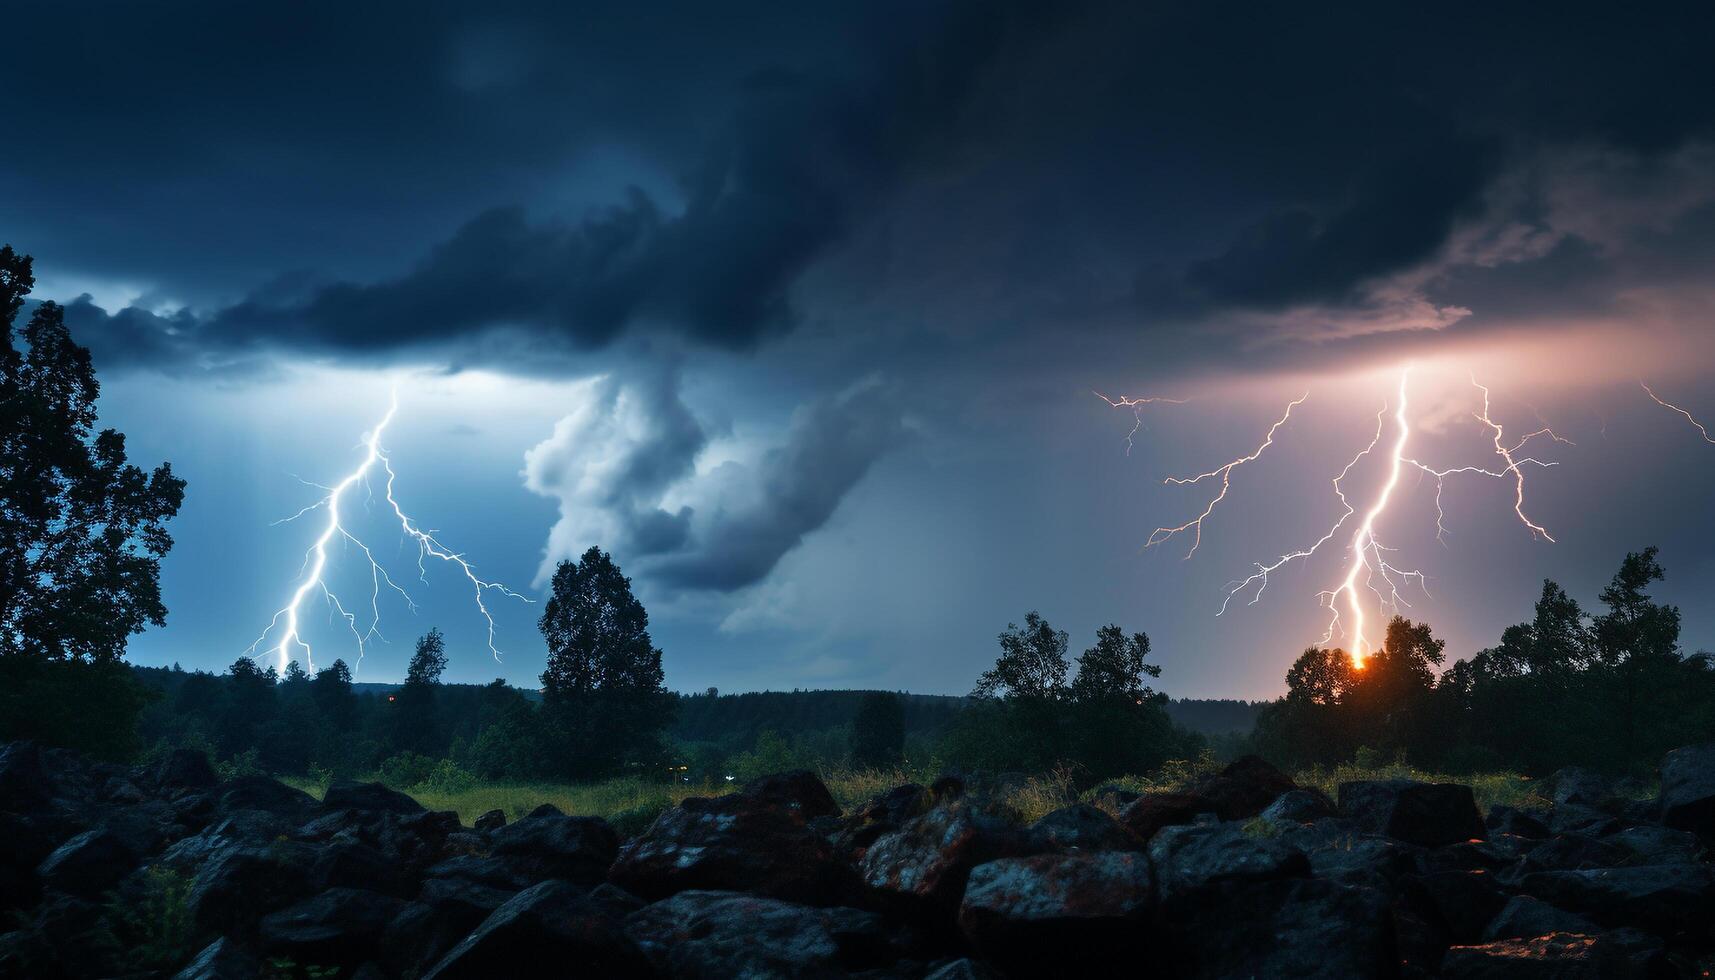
(316, 559)
(1136, 405)
(1688, 416)
(1225, 472)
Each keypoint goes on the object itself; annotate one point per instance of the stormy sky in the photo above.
(799, 311)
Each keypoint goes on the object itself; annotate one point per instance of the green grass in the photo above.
(631, 799)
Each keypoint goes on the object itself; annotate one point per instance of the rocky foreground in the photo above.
(1243, 875)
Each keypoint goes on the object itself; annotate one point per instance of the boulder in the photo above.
(1299, 806)
(1576, 818)
(1556, 956)
(491, 820)
(1688, 789)
(553, 845)
(350, 864)
(1655, 844)
(1665, 900)
(222, 959)
(1289, 927)
(1057, 912)
(262, 793)
(1081, 827)
(926, 862)
(1426, 814)
(1523, 917)
(1573, 852)
(962, 969)
(543, 931)
(88, 864)
(238, 886)
(1245, 788)
(464, 901)
(895, 806)
(252, 828)
(1503, 819)
(185, 769)
(709, 935)
(800, 791)
(374, 797)
(492, 871)
(339, 927)
(1579, 786)
(1463, 903)
(419, 936)
(1189, 858)
(1153, 811)
(24, 783)
(735, 843)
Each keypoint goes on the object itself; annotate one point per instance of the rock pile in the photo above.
(1241, 875)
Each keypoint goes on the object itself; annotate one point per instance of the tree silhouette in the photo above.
(82, 532)
(603, 687)
(416, 725)
(1113, 670)
(1032, 663)
(878, 731)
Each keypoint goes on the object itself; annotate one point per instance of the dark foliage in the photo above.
(878, 731)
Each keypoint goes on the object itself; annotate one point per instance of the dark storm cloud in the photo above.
(797, 486)
(499, 184)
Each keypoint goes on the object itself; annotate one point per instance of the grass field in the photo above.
(632, 802)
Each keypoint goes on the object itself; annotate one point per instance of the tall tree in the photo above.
(417, 726)
(1032, 664)
(1113, 670)
(82, 532)
(603, 687)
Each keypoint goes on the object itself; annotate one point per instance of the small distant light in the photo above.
(391, 698)
(731, 778)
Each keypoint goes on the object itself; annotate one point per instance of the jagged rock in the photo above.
(1576, 818)
(262, 793)
(800, 791)
(1081, 827)
(1579, 786)
(492, 871)
(546, 810)
(1427, 814)
(1245, 788)
(185, 769)
(349, 864)
(1573, 852)
(237, 887)
(1289, 927)
(1688, 789)
(254, 828)
(1498, 852)
(1503, 819)
(543, 932)
(1524, 916)
(737, 843)
(715, 934)
(962, 969)
(1152, 811)
(553, 845)
(491, 820)
(615, 901)
(369, 796)
(88, 864)
(1299, 806)
(419, 936)
(895, 806)
(1655, 844)
(222, 959)
(1464, 902)
(339, 927)
(466, 902)
(1664, 900)
(928, 860)
(1555, 956)
(1064, 912)
(1191, 857)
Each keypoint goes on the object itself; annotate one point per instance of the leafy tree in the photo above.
(249, 705)
(878, 731)
(1320, 676)
(82, 532)
(416, 724)
(1635, 626)
(1032, 664)
(1113, 670)
(603, 688)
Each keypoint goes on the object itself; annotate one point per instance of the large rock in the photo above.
(927, 861)
(1524, 916)
(800, 791)
(1150, 812)
(1057, 912)
(733, 843)
(1578, 786)
(339, 927)
(545, 931)
(1503, 819)
(1427, 814)
(222, 959)
(1082, 827)
(237, 887)
(1665, 900)
(712, 935)
(350, 864)
(1299, 806)
(1192, 857)
(369, 796)
(88, 864)
(1289, 927)
(1245, 788)
(1655, 844)
(262, 793)
(1463, 902)
(1556, 956)
(1688, 789)
(553, 845)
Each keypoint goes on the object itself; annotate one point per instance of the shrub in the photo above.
(406, 769)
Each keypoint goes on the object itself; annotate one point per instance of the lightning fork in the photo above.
(314, 568)
(1225, 471)
(1136, 405)
(1688, 416)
